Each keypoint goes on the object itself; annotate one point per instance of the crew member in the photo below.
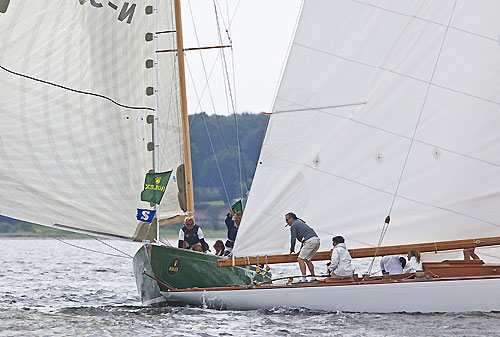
(232, 230)
(191, 236)
(340, 263)
(392, 264)
(310, 244)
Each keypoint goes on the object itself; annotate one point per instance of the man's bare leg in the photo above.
(302, 265)
(310, 265)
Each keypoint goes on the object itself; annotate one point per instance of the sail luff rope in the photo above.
(386, 222)
(174, 104)
(285, 63)
(173, 101)
(155, 104)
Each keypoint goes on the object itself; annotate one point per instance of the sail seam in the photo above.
(425, 20)
(76, 90)
(318, 109)
(390, 193)
(397, 73)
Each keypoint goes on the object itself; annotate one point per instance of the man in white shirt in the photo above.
(392, 264)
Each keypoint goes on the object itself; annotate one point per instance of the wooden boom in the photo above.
(366, 252)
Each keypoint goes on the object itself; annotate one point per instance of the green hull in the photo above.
(159, 268)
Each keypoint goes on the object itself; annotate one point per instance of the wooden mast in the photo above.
(184, 111)
(367, 252)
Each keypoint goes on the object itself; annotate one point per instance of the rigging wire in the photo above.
(107, 244)
(90, 250)
(210, 140)
(215, 62)
(207, 86)
(232, 100)
(388, 218)
(216, 161)
(207, 77)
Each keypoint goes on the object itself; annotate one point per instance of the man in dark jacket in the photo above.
(232, 230)
(191, 236)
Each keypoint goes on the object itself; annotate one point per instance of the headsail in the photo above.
(367, 83)
(78, 82)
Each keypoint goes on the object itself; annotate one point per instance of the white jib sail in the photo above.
(74, 106)
(366, 81)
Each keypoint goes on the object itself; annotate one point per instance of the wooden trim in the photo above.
(366, 252)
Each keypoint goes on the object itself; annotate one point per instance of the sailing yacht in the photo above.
(384, 130)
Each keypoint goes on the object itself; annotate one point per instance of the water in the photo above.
(48, 288)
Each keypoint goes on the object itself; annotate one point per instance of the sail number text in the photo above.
(126, 11)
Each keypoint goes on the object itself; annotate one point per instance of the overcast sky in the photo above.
(260, 31)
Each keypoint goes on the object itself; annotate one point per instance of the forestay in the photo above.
(74, 107)
(363, 80)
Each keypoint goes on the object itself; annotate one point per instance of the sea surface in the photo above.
(54, 288)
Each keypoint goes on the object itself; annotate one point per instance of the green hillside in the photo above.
(211, 202)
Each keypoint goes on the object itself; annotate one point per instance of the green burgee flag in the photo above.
(237, 207)
(155, 185)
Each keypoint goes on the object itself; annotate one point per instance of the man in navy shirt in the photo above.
(232, 230)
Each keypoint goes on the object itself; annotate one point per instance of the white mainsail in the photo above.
(367, 82)
(74, 104)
